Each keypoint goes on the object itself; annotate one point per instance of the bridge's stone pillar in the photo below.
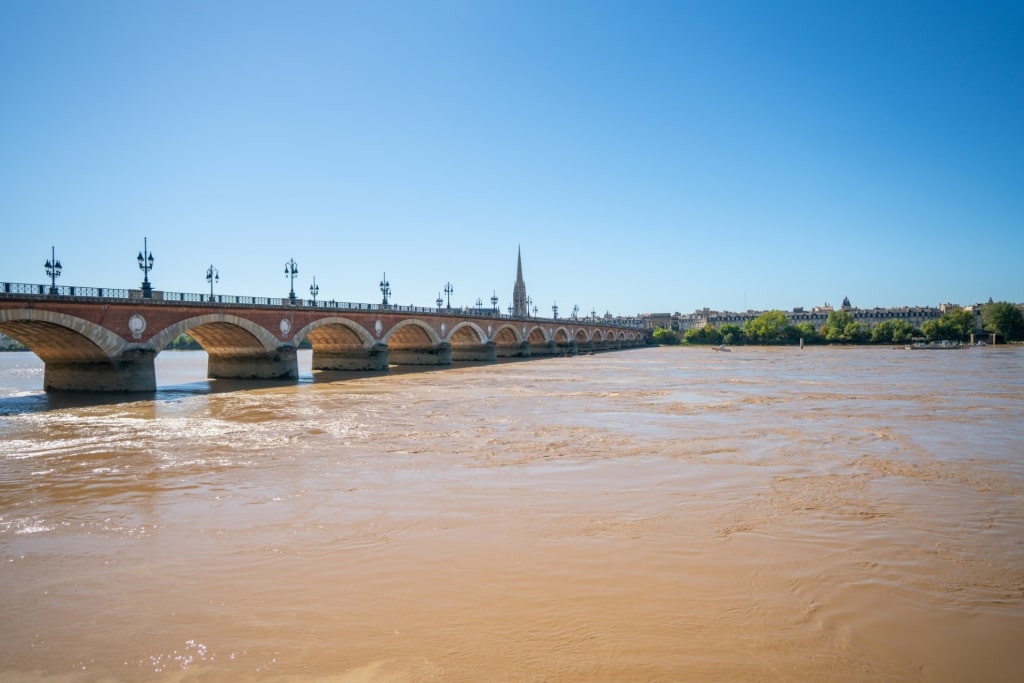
(374, 358)
(545, 349)
(428, 355)
(486, 351)
(521, 350)
(133, 371)
(281, 364)
(566, 348)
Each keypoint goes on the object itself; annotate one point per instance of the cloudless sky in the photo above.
(646, 156)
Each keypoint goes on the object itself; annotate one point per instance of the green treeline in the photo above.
(183, 342)
(774, 328)
(8, 344)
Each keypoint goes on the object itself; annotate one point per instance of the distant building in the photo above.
(816, 316)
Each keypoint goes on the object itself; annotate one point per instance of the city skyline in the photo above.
(659, 158)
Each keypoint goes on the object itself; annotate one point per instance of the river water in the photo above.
(662, 514)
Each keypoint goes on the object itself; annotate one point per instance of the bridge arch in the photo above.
(414, 342)
(508, 334)
(467, 332)
(537, 335)
(343, 344)
(469, 341)
(510, 342)
(218, 333)
(411, 332)
(237, 348)
(335, 332)
(80, 355)
(583, 340)
(60, 337)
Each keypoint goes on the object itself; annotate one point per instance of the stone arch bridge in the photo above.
(109, 344)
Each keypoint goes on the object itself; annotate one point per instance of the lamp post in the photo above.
(291, 269)
(439, 302)
(529, 302)
(314, 289)
(494, 300)
(212, 275)
(554, 310)
(145, 259)
(593, 313)
(534, 311)
(448, 289)
(510, 310)
(385, 288)
(53, 268)
(479, 304)
(575, 311)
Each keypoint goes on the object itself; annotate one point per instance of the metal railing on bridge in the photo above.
(48, 292)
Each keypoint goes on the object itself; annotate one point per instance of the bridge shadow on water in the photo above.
(176, 390)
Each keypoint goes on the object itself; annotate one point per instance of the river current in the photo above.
(661, 514)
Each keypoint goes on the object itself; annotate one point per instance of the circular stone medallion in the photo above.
(285, 326)
(137, 325)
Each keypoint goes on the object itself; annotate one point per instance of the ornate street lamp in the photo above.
(593, 313)
(494, 300)
(534, 311)
(448, 289)
(53, 268)
(385, 288)
(575, 311)
(145, 259)
(510, 311)
(479, 304)
(314, 289)
(554, 310)
(212, 275)
(291, 269)
(529, 302)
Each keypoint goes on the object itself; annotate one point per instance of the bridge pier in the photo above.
(282, 364)
(545, 349)
(133, 371)
(374, 358)
(478, 352)
(430, 355)
(566, 348)
(521, 350)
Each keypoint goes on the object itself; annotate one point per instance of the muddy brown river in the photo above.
(662, 514)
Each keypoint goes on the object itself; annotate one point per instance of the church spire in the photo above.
(520, 308)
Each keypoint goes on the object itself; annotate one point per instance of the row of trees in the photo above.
(774, 327)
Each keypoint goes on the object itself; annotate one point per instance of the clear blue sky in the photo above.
(647, 156)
